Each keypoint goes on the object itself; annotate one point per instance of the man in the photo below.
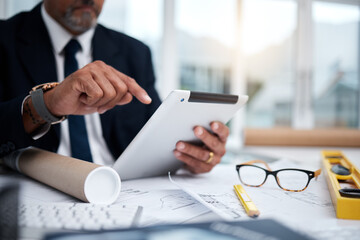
(113, 69)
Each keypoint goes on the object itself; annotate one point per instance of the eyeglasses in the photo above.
(289, 179)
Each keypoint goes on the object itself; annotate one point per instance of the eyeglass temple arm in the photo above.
(258, 161)
(317, 173)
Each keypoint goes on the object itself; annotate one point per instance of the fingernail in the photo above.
(216, 126)
(181, 146)
(199, 131)
(177, 154)
(147, 98)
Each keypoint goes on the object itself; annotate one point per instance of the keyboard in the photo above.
(77, 216)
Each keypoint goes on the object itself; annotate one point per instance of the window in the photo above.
(336, 65)
(141, 19)
(205, 37)
(268, 46)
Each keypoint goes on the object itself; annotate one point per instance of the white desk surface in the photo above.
(305, 156)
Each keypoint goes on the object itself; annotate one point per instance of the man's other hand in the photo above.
(199, 159)
(97, 87)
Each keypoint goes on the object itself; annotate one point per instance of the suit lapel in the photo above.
(106, 50)
(35, 49)
(36, 52)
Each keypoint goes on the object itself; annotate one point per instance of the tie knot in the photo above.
(72, 47)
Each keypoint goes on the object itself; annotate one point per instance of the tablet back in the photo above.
(151, 151)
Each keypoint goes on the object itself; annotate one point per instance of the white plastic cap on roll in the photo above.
(102, 186)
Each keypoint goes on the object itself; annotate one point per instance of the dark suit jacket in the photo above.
(27, 59)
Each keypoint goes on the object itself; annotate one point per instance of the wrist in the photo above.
(41, 103)
(31, 120)
(49, 105)
(30, 112)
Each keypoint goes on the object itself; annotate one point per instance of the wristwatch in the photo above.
(37, 97)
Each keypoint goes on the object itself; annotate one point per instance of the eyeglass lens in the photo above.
(251, 175)
(287, 179)
(292, 179)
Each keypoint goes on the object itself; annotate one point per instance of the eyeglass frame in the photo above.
(268, 172)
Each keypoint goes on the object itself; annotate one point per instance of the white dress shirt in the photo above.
(59, 38)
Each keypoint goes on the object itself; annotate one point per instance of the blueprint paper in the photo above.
(162, 201)
(310, 210)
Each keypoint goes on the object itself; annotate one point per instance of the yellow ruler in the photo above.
(343, 180)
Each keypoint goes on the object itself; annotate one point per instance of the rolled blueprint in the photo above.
(86, 181)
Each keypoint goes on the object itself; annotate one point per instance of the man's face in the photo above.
(77, 16)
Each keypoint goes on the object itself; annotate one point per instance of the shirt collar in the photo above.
(60, 36)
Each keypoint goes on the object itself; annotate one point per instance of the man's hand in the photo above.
(198, 159)
(97, 87)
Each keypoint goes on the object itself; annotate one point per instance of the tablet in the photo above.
(151, 152)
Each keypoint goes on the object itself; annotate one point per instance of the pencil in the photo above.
(245, 200)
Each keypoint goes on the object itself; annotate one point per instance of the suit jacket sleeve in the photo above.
(12, 132)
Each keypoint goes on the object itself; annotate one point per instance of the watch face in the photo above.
(45, 86)
(37, 96)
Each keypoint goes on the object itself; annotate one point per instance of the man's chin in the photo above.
(80, 25)
(79, 28)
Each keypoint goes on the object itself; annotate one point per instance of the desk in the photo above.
(192, 212)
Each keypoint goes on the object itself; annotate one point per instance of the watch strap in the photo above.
(37, 98)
